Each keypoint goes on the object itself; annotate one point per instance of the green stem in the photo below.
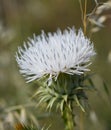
(68, 118)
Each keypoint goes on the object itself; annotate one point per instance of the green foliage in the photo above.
(68, 89)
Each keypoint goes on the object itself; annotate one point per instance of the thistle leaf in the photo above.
(61, 105)
(78, 103)
(65, 97)
(50, 104)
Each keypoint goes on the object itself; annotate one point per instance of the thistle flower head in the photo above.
(61, 52)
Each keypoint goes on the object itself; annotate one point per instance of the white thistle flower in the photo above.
(68, 52)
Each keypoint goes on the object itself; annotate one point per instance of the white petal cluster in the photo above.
(61, 52)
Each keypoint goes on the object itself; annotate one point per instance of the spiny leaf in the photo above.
(78, 103)
(51, 102)
(61, 105)
(65, 97)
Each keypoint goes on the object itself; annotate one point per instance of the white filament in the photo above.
(68, 52)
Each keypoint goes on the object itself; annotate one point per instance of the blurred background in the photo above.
(20, 19)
